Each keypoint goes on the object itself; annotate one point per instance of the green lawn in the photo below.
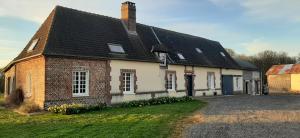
(151, 121)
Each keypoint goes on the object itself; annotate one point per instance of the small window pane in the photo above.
(180, 56)
(199, 50)
(116, 48)
(222, 54)
(32, 45)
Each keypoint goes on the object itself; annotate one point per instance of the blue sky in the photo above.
(246, 26)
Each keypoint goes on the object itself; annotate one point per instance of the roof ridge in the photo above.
(87, 12)
(186, 34)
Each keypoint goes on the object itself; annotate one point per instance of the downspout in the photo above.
(261, 82)
(221, 84)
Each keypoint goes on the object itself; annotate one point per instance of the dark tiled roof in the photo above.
(246, 65)
(69, 32)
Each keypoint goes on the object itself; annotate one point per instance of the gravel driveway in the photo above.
(247, 116)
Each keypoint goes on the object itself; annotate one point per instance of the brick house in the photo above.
(81, 57)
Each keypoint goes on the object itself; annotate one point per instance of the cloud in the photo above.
(8, 51)
(260, 44)
(256, 45)
(265, 10)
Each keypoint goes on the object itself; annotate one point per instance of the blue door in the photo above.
(227, 85)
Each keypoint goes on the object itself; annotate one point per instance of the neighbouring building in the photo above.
(81, 57)
(251, 78)
(284, 78)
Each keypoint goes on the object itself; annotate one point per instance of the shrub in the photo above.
(68, 109)
(15, 98)
(29, 107)
(155, 101)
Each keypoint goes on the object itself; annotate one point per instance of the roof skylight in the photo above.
(116, 48)
(222, 54)
(180, 56)
(199, 50)
(32, 45)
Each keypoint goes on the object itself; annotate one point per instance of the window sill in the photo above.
(128, 93)
(171, 90)
(84, 95)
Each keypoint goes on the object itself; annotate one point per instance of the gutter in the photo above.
(15, 61)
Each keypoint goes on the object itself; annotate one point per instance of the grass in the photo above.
(152, 121)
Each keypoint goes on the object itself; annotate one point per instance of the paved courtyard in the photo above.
(247, 116)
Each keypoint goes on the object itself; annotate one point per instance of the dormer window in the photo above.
(222, 54)
(180, 56)
(199, 50)
(32, 45)
(163, 59)
(116, 48)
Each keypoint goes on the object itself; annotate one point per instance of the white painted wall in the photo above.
(232, 72)
(238, 84)
(151, 78)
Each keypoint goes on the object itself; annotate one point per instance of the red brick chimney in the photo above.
(129, 15)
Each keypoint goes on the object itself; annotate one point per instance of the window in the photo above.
(128, 83)
(29, 88)
(238, 83)
(32, 45)
(163, 59)
(199, 50)
(80, 83)
(211, 80)
(180, 56)
(116, 48)
(222, 53)
(170, 82)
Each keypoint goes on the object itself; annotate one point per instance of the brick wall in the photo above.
(34, 67)
(8, 74)
(59, 81)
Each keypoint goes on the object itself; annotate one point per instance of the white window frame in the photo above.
(170, 81)
(87, 79)
(125, 82)
(163, 59)
(237, 83)
(211, 80)
(113, 47)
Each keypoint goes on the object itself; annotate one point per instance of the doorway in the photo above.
(227, 85)
(189, 79)
(247, 87)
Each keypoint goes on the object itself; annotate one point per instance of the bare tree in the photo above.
(266, 59)
(298, 58)
(230, 52)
